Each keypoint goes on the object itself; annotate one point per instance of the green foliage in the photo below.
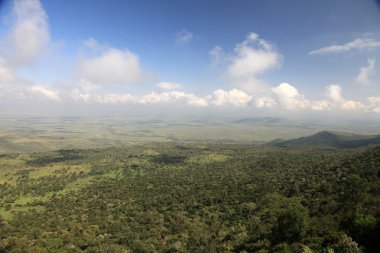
(190, 198)
(345, 244)
(291, 225)
(365, 230)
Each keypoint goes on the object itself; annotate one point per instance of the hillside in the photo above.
(330, 139)
(190, 198)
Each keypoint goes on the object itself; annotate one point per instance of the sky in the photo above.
(239, 57)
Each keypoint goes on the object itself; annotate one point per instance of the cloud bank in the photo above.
(283, 97)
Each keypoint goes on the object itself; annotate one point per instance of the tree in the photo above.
(345, 244)
(292, 224)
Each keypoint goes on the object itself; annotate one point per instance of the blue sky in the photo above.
(252, 56)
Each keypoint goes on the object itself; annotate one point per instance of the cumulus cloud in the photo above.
(264, 102)
(184, 36)
(366, 72)
(174, 96)
(20, 89)
(216, 55)
(289, 97)
(168, 86)
(284, 97)
(27, 40)
(252, 57)
(29, 35)
(357, 44)
(110, 66)
(114, 98)
(374, 104)
(352, 105)
(320, 105)
(84, 91)
(334, 92)
(233, 97)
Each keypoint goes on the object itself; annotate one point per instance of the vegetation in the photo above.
(191, 198)
(330, 139)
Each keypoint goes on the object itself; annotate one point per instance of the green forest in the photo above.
(191, 198)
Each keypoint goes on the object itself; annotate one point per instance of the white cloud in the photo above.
(195, 101)
(320, 105)
(111, 66)
(47, 93)
(78, 95)
(357, 44)
(285, 96)
(216, 55)
(114, 98)
(172, 97)
(253, 57)
(168, 86)
(94, 45)
(334, 92)
(29, 36)
(154, 97)
(289, 97)
(27, 40)
(352, 105)
(233, 97)
(264, 102)
(184, 36)
(6, 74)
(366, 72)
(20, 89)
(374, 104)
(84, 91)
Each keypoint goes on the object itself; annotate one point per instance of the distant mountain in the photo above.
(263, 120)
(330, 139)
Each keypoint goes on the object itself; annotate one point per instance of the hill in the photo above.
(262, 120)
(330, 139)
